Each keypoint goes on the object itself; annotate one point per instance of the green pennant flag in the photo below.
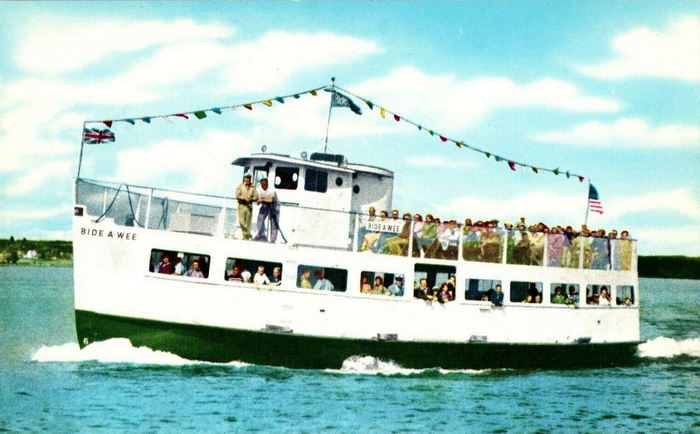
(431, 132)
(556, 171)
(488, 154)
(200, 115)
(370, 104)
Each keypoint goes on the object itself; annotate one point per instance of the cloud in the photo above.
(629, 132)
(8, 215)
(60, 46)
(434, 161)
(198, 165)
(680, 201)
(643, 52)
(456, 103)
(684, 240)
(38, 176)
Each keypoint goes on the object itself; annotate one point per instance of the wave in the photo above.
(663, 347)
(375, 366)
(116, 350)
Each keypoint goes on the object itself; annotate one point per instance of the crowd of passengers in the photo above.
(239, 273)
(177, 268)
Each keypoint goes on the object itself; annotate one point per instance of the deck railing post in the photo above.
(545, 257)
(221, 227)
(356, 232)
(504, 246)
(409, 253)
(148, 208)
(580, 252)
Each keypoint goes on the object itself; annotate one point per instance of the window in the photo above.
(598, 295)
(433, 280)
(339, 181)
(564, 294)
(286, 178)
(321, 278)
(381, 283)
(253, 271)
(259, 172)
(526, 292)
(316, 180)
(179, 263)
(624, 295)
(480, 289)
(356, 189)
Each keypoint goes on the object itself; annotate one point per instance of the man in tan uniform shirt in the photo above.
(246, 195)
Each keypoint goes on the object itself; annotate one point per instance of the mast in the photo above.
(588, 194)
(330, 108)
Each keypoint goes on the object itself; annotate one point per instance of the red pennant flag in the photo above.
(182, 115)
(248, 106)
(511, 165)
(397, 118)
(580, 179)
(108, 123)
(443, 138)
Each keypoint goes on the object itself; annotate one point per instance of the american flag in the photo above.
(594, 203)
(94, 136)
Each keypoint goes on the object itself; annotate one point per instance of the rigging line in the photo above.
(99, 219)
(131, 206)
(555, 171)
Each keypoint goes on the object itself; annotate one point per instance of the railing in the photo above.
(160, 209)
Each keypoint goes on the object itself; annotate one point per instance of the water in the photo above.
(48, 384)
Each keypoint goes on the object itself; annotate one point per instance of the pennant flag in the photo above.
(580, 179)
(94, 136)
(248, 106)
(216, 110)
(511, 165)
(146, 119)
(443, 138)
(340, 100)
(556, 171)
(296, 96)
(498, 158)
(594, 203)
(488, 154)
(279, 99)
(200, 115)
(108, 123)
(382, 112)
(535, 169)
(397, 117)
(313, 92)
(459, 144)
(182, 115)
(131, 121)
(267, 102)
(568, 175)
(419, 128)
(370, 104)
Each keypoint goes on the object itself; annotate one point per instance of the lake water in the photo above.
(48, 384)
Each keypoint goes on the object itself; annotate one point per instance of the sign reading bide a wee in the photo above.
(106, 233)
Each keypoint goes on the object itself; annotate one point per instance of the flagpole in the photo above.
(588, 205)
(82, 143)
(330, 108)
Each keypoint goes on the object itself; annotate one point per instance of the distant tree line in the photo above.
(11, 249)
(673, 267)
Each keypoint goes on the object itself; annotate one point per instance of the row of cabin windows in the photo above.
(287, 178)
(244, 270)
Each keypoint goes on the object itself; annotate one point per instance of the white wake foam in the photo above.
(117, 350)
(373, 365)
(663, 347)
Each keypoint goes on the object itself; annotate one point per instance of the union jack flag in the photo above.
(94, 136)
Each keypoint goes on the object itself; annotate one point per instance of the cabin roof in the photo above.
(281, 158)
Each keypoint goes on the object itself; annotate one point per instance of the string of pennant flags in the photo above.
(95, 135)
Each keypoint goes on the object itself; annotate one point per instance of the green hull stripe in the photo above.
(214, 344)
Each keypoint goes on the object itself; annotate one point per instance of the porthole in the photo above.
(356, 189)
(339, 181)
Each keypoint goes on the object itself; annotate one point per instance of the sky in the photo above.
(608, 90)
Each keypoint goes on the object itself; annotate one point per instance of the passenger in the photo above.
(322, 283)
(604, 299)
(417, 235)
(625, 251)
(276, 278)
(556, 242)
(269, 206)
(573, 296)
(363, 232)
(304, 281)
(398, 245)
(195, 271)
(165, 266)
(484, 297)
(628, 301)
(245, 195)
(594, 299)
(179, 266)
(497, 297)
(379, 245)
(559, 297)
(247, 277)
(235, 275)
(379, 287)
(444, 294)
(395, 214)
(396, 288)
(365, 287)
(533, 292)
(260, 277)
(538, 298)
(521, 251)
(422, 292)
(491, 243)
(370, 239)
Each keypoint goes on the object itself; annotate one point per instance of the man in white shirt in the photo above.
(260, 277)
(323, 283)
(269, 206)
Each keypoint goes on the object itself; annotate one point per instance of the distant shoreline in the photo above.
(59, 253)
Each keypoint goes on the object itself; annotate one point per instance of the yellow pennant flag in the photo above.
(313, 92)
(382, 112)
(267, 102)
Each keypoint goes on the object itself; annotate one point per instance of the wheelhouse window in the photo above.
(480, 289)
(321, 278)
(178, 263)
(316, 180)
(598, 295)
(382, 283)
(286, 178)
(434, 282)
(526, 292)
(564, 293)
(624, 295)
(244, 270)
(259, 172)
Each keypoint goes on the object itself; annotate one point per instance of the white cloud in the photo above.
(54, 47)
(38, 177)
(455, 104)
(672, 53)
(198, 165)
(8, 215)
(684, 240)
(435, 161)
(680, 201)
(627, 132)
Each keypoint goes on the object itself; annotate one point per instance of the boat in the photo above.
(316, 306)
